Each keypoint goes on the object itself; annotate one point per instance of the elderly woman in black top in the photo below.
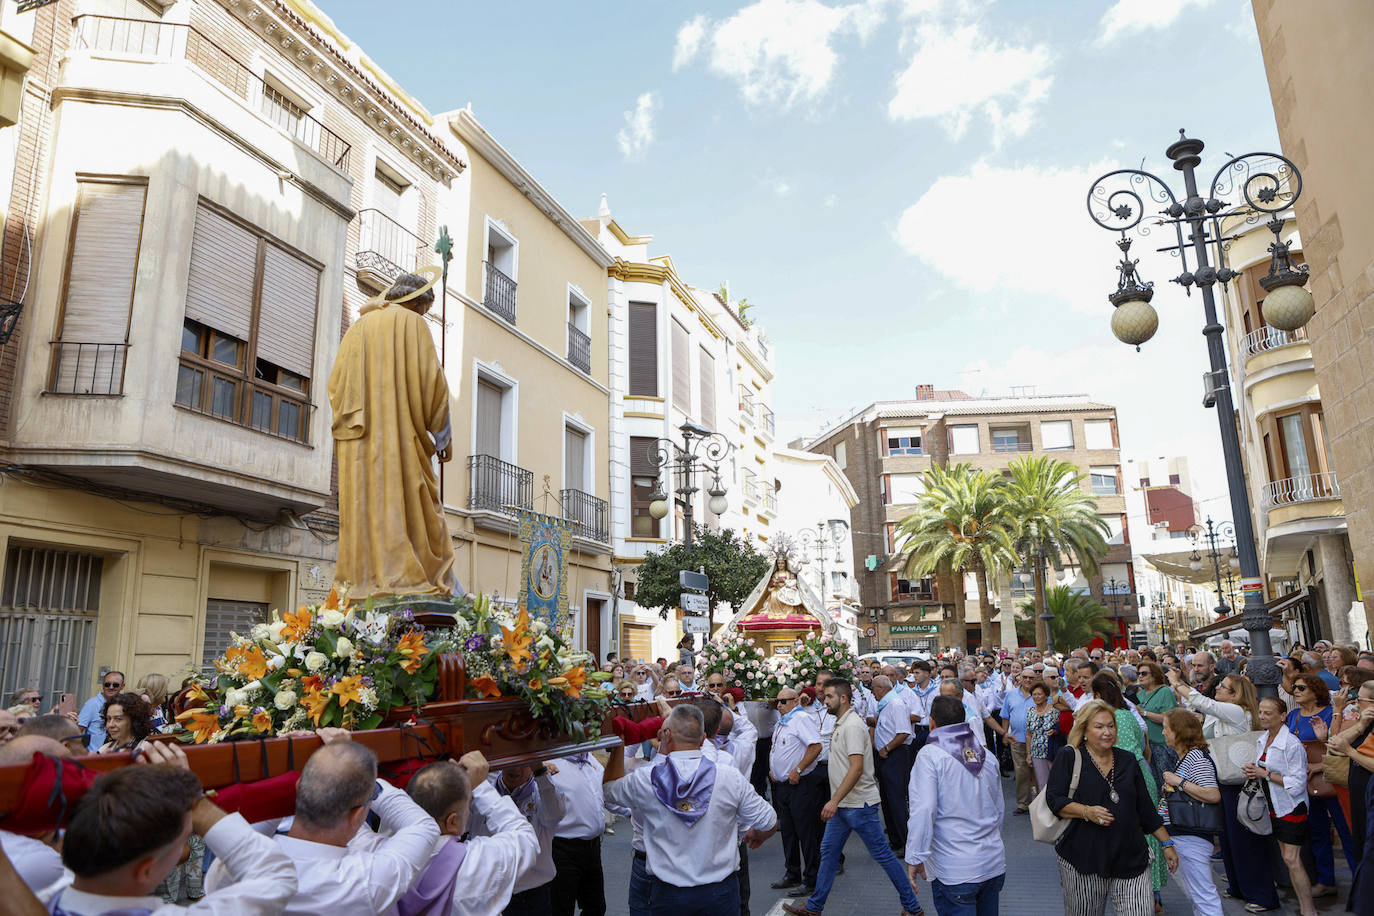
(1103, 854)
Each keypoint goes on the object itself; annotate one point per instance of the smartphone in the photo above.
(67, 704)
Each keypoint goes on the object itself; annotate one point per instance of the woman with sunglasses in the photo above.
(1281, 764)
(646, 681)
(1310, 723)
(27, 700)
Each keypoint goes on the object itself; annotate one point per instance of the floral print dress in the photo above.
(1038, 728)
(1129, 738)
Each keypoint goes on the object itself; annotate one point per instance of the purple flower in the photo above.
(378, 660)
(367, 681)
(223, 712)
(407, 614)
(475, 643)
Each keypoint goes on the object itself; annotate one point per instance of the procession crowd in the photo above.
(1141, 766)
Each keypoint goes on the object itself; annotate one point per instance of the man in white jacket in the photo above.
(476, 877)
(130, 830)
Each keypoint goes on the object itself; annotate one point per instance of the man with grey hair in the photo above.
(1205, 676)
(690, 809)
(337, 874)
(893, 756)
(1229, 662)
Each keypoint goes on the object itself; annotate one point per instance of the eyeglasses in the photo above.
(1297, 687)
(32, 701)
(672, 693)
(966, 680)
(8, 729)
(715, 683)
(781, 700)
(112, 685)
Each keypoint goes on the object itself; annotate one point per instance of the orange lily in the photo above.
(537, 684)
(315, 704)
(242, 711)
(575, 677)
(200, 722)
(296, 624)
(250, 663)
(312, 683)
(331, 602)
(518, 640)
(262, 721)
(485, 687)
(348, 689)
(410, 647)
(197, 694)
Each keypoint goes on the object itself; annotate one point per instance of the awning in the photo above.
(1277, 607)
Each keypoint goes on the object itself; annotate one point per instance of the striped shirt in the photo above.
(1195, 767)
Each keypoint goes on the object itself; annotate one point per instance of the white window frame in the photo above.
(1056, 448)
(510, 410)
(295, 91)
(410, 193)
(1087, 444)
(841, 455)
(497, 227)
(977, 439)
(585, 303)
(588, 485)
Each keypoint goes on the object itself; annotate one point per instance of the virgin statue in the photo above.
(391, 418)
(783, 596)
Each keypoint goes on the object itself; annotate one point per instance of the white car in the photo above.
(895, 657)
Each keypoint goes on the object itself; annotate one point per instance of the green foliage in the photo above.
(1077, 618)
(732, 564)
(1053, 512)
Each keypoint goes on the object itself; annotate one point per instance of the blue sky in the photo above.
(898, 185)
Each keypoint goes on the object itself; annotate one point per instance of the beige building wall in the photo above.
(1320, 62)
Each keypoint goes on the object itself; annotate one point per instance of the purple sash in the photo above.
(723, 743)
(526, 798)
(959, 743)
(55, 908)
(432, 894)
(688, 800)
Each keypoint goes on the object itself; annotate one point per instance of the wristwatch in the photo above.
(538, 771)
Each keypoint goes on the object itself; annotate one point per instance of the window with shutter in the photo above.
(489, 398)
(708, 389)
(88, 357)
(574, 459)
(682, 369)
(248, 339)
(222, 620)
(643, 478)
(644, 349)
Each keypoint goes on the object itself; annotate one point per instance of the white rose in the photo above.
(275, 661)
(259, 632)
(540, 627)
(285, 700)
(315, 661)
(343, 648)
(274, 630)
(545, 642)
(252, 687)
(235, 697)
(330, 619)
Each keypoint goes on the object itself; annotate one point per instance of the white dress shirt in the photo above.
(763, 714)
(707, 851)
(584, 817)
(790, 741)
(825, 727)
(893, 720)
(744, 745)
(1221, 719)
(543, 817)
(1287, 756)
(1075, 702)
(363, 879)
(918, 700)
(487, 877)
(262, 875)
(864, 703)
(955, 823)
(38, 865)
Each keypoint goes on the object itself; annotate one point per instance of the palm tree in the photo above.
(961, 523)
(1077, 617)
(1056, 519)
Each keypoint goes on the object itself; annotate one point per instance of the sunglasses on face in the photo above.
(1297, 687)
(112, 685)
(8, 729)
(715, 684)
(672, 693)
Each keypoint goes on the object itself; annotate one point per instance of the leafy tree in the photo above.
(731, 562)
(1054, 517)
(741, 306)
(962, 523)
(1077, 619)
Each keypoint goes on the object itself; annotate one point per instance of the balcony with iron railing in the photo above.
(170, 41)
(1306, 488)
(751, 489)
(1267, 338)
(770, 501)
(579, 348)
(498, 293)
(588, 514)
(765, 421)
(88, 369)
(386, 249)
(1011, 445)
(747, 404)
(498, 486)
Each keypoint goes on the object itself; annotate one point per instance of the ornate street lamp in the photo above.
(700, 447)
(1248, 188)
(807, 538)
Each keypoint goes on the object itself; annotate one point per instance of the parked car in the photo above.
(895, 657)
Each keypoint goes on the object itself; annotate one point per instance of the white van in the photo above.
(895, 657)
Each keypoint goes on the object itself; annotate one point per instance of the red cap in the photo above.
(809, 691)
(736, 692)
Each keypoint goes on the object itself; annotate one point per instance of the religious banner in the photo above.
(546, 540)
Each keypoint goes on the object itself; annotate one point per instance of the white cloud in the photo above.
(956, 72)
(780, 52)
(634, 138)
(1128, 16)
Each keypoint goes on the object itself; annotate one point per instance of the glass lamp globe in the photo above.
(1288, 307)
(718, 504)
(1134, 322)
(658, 508)
(1194, 565)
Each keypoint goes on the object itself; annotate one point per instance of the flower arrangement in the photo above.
(738, 660)
(322, 665)
(819, 651)
(779, 671)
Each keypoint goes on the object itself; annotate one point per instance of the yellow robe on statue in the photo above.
(389, 398)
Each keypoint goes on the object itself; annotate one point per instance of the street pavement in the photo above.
(1032, 884)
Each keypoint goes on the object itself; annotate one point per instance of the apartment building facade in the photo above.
(184, 225)
(678, 354)
(527, 362)
(885, 449)
(1296, 496)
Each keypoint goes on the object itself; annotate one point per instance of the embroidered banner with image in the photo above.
(546, 540)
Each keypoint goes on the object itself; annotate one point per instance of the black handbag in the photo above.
(1187, 813)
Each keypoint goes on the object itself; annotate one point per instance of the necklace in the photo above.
(1108, 774)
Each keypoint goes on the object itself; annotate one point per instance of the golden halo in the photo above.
(431, 271)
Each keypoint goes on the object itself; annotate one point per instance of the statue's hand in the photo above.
(444, 454)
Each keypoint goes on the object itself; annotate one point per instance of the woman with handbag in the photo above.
(1235, 713)
(1103, 853)
(1281, 765)
(1310, 723)
(1192, 809)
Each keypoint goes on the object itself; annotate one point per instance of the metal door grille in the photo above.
(222, 620)
(49, 606)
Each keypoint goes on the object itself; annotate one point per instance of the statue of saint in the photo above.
(391, 417)
(782, 597)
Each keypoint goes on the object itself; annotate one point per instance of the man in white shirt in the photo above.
(476, 876)
(579, 882)
(954, 835)
(92, 715)
(893, 753)
(691, 809)
(334, 876)
(687, 678)
(796, 748)
(130, 829)
(864, 703)
(540, 802)
(763, 715)
(918, 697)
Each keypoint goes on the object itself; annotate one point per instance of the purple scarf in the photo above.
(959, 743)
(723, 743)
(432, 893)
(526, 798)
(55, 908)
(688, 800)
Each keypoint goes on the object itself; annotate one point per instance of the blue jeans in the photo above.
(869, 826)
(1322, 815)
(640, 883)
(977, 898)
(716, 899)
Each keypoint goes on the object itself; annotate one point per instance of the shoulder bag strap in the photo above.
(1077, 769)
